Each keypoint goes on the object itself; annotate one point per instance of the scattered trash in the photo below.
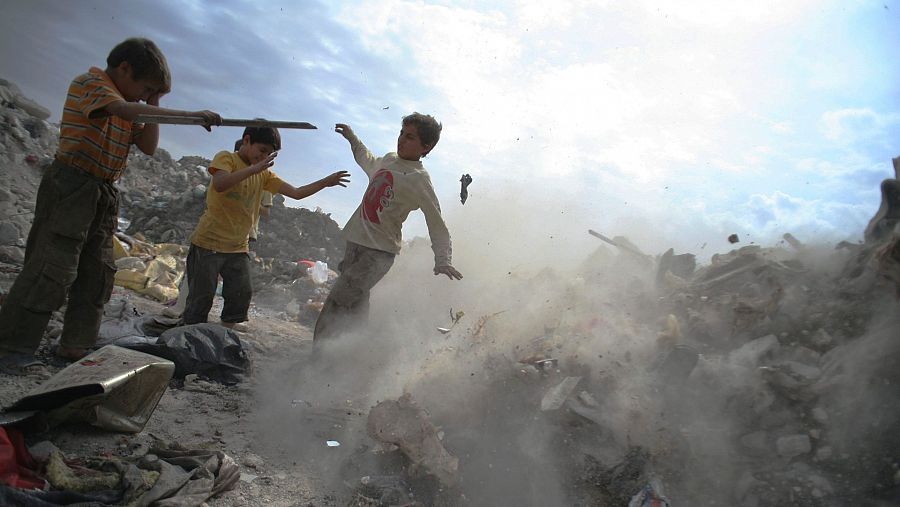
(208, 350)
(454, 319)
(113, 388)
(733, 239)
(465, 181)
(332, 443)
(319, 272)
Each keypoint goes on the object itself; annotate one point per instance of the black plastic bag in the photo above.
(208, 350)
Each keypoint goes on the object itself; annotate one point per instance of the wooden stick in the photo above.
(226, 122)
(616, 244)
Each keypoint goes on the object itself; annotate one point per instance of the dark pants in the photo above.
(347, 305)
(69, 252)
(203, 270)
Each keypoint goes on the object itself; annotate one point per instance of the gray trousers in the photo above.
(347, 305)
(203, 270)
(69, 253)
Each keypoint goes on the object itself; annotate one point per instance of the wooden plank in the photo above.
(226, 122)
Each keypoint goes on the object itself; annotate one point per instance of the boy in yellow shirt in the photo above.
(219, 246)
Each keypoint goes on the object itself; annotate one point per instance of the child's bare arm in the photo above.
(339, 178)
(224, 180)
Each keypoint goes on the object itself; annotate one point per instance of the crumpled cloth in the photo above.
(17, 466)
(169, 475)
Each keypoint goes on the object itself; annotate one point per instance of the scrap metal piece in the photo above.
(465, 181)
(114, 388)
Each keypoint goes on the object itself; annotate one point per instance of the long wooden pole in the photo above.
(226, 122)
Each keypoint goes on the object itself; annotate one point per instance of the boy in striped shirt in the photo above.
(69, 250)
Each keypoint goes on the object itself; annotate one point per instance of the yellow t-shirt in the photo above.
(229, 216)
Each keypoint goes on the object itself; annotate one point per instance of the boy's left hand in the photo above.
(339, 178)
(448, 270)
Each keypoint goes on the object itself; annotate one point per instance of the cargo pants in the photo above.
(347, 305)
(203, 270)
(69, 253)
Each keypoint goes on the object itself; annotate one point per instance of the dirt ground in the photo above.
(215, 416)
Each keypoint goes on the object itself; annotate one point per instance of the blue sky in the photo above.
(673, 123)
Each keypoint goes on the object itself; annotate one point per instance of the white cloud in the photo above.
(854, 125)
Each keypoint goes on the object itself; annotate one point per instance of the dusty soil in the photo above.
(222, 417)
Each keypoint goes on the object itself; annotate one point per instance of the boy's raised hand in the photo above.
(265, 163)
(338, 178)
(448, 270)
(344, 130)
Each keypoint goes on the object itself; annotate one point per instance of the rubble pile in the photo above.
(767, 377)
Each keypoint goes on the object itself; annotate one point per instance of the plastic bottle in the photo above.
(319, 272)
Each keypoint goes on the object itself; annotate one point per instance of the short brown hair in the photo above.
(267, 135)
(427, 127)
(145, 58)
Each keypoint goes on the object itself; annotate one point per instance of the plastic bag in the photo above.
(319, 272)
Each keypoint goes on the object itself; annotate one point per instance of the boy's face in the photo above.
(254, 152)
(409, 146)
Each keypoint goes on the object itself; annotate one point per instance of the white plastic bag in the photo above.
(319, 272)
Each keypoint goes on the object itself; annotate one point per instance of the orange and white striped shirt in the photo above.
(96, 145)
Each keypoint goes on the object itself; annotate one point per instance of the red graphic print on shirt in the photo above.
(378, 196)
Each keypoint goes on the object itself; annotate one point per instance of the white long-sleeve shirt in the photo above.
(396, 187)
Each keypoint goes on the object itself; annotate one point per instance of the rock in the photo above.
(821, 340)
(823, 453)
(5, 196)
(793, 379)
(756, 443)
(819, 415)
(253, 461)
(43, 450)
(9, 234)
(31, 107)
(404, 423)
(12, 255)
(803, 355)
(792, 446)
(756, 351)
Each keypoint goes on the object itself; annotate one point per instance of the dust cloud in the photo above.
(681, 378)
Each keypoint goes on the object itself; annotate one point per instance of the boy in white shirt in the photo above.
(398, 184)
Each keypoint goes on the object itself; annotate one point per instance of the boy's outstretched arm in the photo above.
(339, 178)
(131, 110)
(224, 180)
(361, 154)
(437, 230)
